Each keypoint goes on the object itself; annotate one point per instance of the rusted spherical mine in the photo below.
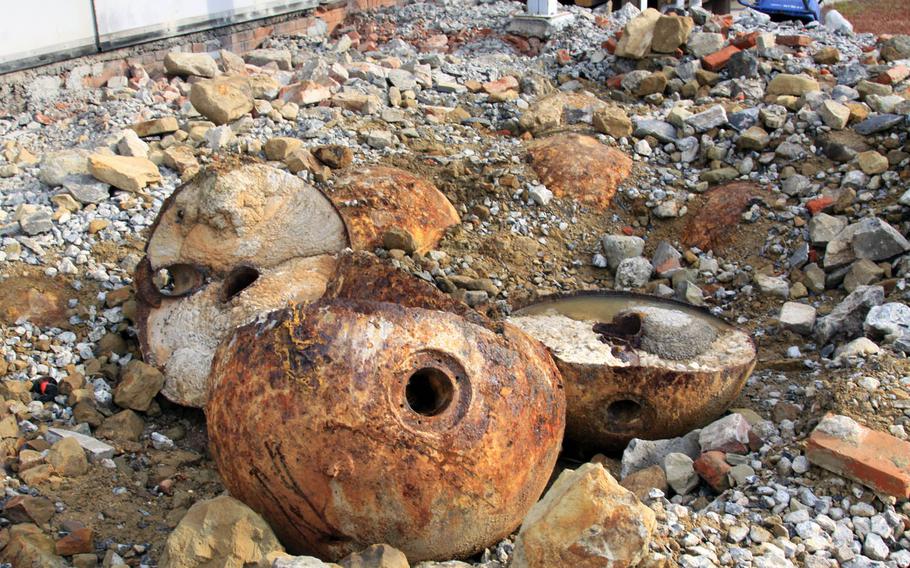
(711, 226)
(238, 241)
(347, 423)
(635, 366)
(378, 199)
(579, 167)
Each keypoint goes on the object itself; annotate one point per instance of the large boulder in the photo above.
(637, 35)
(221, 532)
(222, 100)
(560, 109)
(585, 519)
(181, 63)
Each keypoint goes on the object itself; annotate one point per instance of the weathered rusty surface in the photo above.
(312, 424)
(579, 167)
(377, 199)
(362, 276)
(239, 240)
(670, 403)
(714, 223)
(607, 405)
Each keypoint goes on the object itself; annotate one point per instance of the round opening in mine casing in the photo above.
(237, 281)
(429, 391)
(624, 410)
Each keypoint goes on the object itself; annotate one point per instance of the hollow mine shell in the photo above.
(347, 423)
(613, 396)
(242, 239)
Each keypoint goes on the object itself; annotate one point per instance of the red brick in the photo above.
(819, 204)
(722, 21)
(610, 45)
(717, 60)
(894, 75)
(713, 468)
(794, 40)
(877, 460)
(615, 82)
(745, 41)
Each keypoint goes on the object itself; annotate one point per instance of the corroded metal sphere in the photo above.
(347, 423)
(677, 369)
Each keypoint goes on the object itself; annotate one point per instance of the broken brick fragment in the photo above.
(745, 40)
(877, 460)
(718, 60)
(794, 40)
(819, 204)
(713, 468)
(894, 75)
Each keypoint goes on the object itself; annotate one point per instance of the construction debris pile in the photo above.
(426, 291)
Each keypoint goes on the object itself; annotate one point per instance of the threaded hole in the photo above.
(429, 391)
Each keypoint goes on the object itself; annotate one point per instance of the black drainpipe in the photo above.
(95, 24)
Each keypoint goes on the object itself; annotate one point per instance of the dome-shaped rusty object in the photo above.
(579, 167)
(242, 239)
(347, 422)
(637, 366)
(377, 199)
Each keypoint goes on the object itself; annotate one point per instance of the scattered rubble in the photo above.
(756, 169)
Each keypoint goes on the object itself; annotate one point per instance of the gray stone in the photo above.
(666, 259)
(37, 220)
(57, 167)
(641, 454)
(877, 240)
(540, 195)
(663, 131)
(896, 47)
(861, 273)
(877, 123)
(131, 145)
(823, 228)
(729, 434)
(704, 43)
(708, 119)
(742, 64)
(797, 184)
(86, 189)
(847, 318)
(772, 285)
(633, 272)
(261, 57)
(892, 322)
(797, 317)
(875, 548)
(681, 475)
(620, 247)
(773, 116)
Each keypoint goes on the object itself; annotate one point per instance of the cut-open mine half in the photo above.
(243, 239)
(638, 366)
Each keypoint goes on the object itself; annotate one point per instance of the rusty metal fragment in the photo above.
(347, 422)
(378, 199)
(662, 368)
(579, 167)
